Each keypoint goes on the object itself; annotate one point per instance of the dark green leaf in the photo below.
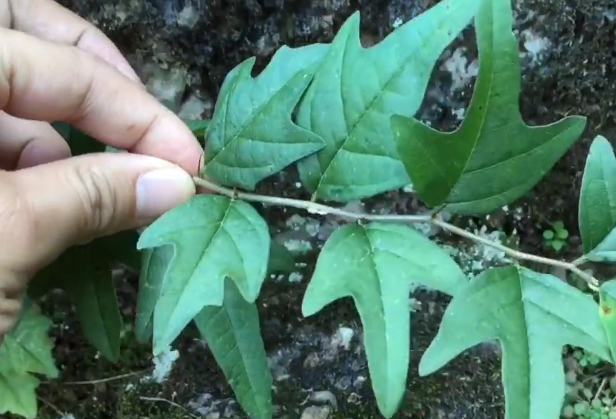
(79, 142)
(84, 273)
(280, 259)
(233, 334)
(493, 158)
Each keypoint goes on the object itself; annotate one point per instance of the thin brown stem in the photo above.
(316, 208)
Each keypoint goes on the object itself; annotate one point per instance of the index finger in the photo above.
(46, 81)
(48, 20)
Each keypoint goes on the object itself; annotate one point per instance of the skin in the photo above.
(55, 66)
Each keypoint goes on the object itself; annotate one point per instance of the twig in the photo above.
(161, 400)
(311, 207)
(52, 406)
(316, 208)
(103, 380)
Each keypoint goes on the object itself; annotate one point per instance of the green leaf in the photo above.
(357, 89)
(154, 267)
(26, 350)
(548, 234)
(214, 237)
(493, 158)
(251, 135)
(18, 392)
(198, 127)
(78, 141)
(233, 335)
(533, 316)
(377, 265)
(84, 273)
(280, 259)
(607, 313)
(597, 207)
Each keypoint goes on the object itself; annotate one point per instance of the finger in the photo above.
(48, 20)
(51, 82)
(29, 143)
(45, 209)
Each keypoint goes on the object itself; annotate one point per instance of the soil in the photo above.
(573, 77)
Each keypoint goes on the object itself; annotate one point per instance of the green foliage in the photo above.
(356, 90)
(557, 237)
(251, 135)
(377, 265)
(26, 351)
(233, 334)
(344, 116)
(533, 316)
(597, 209)
(213, 238)
(446, 168)
(84, 274)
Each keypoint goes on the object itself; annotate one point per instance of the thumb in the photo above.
(59, 204)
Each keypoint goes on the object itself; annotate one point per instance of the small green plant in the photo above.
(586, 358)
(343, 116)
(556, 238)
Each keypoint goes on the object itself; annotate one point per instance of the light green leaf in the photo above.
(84, 273)
(607, 313)
(377, 265)
(154, 267)
(28, 348)
(597, 207)
(533, 316)
(233, 334)
(214, 237)
(493, 158)
(18, 394)
(357, 89)
(251, 135)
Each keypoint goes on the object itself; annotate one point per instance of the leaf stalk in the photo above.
(434, 219)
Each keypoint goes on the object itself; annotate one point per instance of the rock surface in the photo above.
(184, 48)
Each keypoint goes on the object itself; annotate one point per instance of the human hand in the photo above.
(54, 66)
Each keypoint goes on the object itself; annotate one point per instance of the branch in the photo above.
(316, 208)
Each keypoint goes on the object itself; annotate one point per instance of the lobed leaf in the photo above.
(251, 135)
(493, 158)
(214, 238)
(26, 350)
(377, 265)
(233, 334)
(597, 207)
(18, 392)
(357, 89)
(533, 316)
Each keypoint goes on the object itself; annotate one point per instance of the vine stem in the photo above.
(434, 219)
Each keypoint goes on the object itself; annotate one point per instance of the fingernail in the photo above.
(160, 190)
